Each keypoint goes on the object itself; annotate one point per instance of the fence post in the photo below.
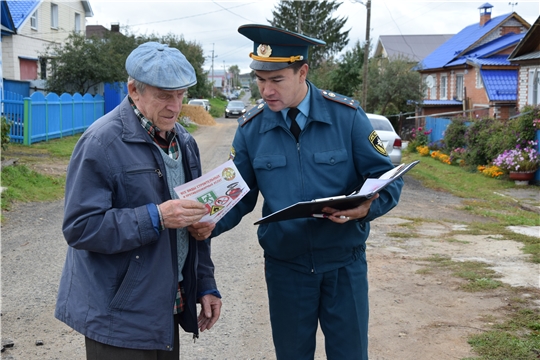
(27, 120)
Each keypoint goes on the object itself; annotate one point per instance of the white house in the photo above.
(38, 24)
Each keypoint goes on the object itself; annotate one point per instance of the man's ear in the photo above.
(132, 91)
(303, 71)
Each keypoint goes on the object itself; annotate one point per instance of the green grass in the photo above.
(217, 107)
(477, 275)
(26, 185)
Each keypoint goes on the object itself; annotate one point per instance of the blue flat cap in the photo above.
(160, 66)
(275, 48)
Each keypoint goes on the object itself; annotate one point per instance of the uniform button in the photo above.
(332, 161)
(136, 257)
(269, 165)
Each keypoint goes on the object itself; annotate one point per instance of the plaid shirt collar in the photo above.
(168, 145)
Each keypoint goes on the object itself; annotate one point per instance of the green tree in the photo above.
(78, 65)
(235, 71)
(393, 86)
(313, 19)
(347, 77)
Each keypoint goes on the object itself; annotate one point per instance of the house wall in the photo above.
(526, 72)
(30, 43)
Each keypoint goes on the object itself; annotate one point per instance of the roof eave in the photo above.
(87, 8)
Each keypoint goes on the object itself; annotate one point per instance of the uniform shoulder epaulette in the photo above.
(254, 111)
(345, 100)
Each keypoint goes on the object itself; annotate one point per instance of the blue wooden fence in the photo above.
(42, 118)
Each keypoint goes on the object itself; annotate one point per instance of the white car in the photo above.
(200, 102)
(389, 137)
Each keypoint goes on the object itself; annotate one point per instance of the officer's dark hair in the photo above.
(297, 65)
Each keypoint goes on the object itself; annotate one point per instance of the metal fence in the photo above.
(42, 118)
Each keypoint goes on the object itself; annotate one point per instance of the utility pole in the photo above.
(366, 54)
(212, 96)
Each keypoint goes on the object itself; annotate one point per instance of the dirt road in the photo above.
(413, 316)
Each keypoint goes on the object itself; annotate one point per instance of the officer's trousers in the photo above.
(336, 299)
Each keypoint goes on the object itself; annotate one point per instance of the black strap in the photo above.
(295, 128)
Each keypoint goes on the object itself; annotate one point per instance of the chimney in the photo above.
(115, 28)
(485, 13)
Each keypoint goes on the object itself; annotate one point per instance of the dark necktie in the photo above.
(295, 129)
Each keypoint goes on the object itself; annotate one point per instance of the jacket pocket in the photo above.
(130, 281)
(141, 184)
(269, 162)
(332, 157)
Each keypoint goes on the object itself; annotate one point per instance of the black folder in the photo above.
(314, 208)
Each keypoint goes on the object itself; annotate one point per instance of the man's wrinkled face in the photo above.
(282, 88)
(161, 107)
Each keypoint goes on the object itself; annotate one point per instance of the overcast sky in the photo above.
(213, 24)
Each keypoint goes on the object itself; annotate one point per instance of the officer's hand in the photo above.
(201, 230)
(210, 311)
(342, 216)
(181, 213)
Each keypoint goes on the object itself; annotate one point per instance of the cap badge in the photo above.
(264, 50)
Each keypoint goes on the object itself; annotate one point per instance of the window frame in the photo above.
(54, 16)
(34, 23)
(444, 87)
(459, 90)
(77, 27)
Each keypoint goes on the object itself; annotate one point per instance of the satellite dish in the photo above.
(430, 81)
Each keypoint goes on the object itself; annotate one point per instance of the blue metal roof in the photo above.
(442, 102)
(21, 10)
(501, 85)
(483, 52)
(497, 60)
(8, 27)
(460, 42)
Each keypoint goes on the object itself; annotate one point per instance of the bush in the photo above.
(454, 135)
(485, 140)
(6, 126)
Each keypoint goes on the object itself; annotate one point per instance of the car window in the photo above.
(236, 104)
(381, 124)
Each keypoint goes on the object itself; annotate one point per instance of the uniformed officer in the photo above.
(301, 144)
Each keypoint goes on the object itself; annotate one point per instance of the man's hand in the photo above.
(342, 216)
(181, 213)
(201, 230)
(210, 311)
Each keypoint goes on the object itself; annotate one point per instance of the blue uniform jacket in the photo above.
(119, 281)
(333, 156)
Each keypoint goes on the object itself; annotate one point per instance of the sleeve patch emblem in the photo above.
(377, 143)
(232, 154)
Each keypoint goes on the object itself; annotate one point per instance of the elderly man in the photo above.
(132, 272)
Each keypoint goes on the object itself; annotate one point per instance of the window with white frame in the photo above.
(459, 86)
(77, 27)
(479, 83)
(534, 87)
(433, 90)
(444, 87)
(34, 20)
(54, 16)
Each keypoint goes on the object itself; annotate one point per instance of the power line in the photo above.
(191, 16)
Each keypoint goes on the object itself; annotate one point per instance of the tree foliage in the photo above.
(313, 19)
(79, 64)
(347, 77)
(235, 71)
(393, 87)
